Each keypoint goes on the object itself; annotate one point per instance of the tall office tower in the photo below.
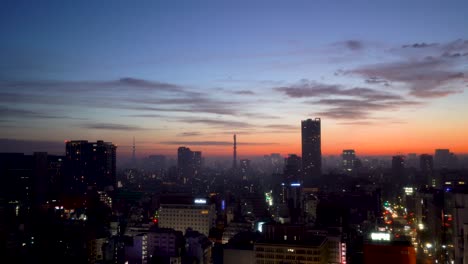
(442, 158)
(311, 151)
(234, 158)
(349, 160)
(426, 164)
(90, 164)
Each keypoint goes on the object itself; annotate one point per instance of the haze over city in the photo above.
(384, 77)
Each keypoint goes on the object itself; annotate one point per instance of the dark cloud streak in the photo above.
(215, 143)
(108, 126)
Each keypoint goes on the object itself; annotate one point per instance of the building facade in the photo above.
(311, 151)
(90, 164)
(197, 214)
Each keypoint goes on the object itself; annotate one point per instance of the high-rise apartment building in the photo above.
(90, 164)
(311, 151)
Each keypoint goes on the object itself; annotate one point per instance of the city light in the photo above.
(380, 236)
(154, 132)
(200, 201)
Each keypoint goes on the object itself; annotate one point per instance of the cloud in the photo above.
(87, 85)
(425, 78)
(217, 122)
(13, 113)
(282, 127)
(215, 143)
(427, 70)
(373, 123)
(108, 126)
(420, 45)
(151, 85)
(357, 123)
(341, 113)
(346, 103)
(147, 115)
(359, 109)
(244, 92)
(123, 94)
(376, 80)
(306, 88)
(189, 134)
(353, 45)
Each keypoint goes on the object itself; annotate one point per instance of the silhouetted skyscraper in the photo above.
(311, 151)
(90, 164)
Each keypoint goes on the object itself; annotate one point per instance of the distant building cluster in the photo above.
(81, 208)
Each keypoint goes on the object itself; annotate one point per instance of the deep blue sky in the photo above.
(173, 72)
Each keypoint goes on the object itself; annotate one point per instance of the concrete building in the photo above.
(90, 165)
(136, 251)
(182, 212)
(310, 251)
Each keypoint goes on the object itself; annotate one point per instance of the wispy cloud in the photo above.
(306, 88)
(189, 134)
(432, 70)
(282, 127)
(14, 113)
(124, 83)
(420, 45)
(108, 126)
(359, 109)
(215, 143)
(244, 92)
(123, 94)
(352, 44)
(217, 122)
(346, 103)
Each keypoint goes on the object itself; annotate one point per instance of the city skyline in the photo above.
(186, 74)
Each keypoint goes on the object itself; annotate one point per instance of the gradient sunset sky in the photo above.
(385, 77)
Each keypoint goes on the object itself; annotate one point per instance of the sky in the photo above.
(385, 77)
